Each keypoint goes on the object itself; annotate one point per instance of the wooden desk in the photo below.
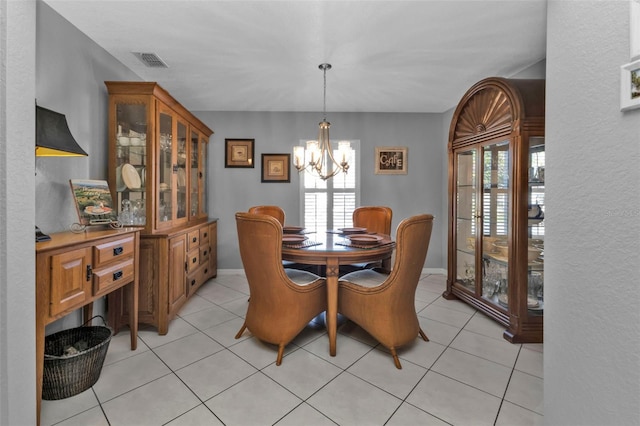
(332, 255)
(73, 270)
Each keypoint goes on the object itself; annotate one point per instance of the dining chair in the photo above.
(274, 211)
(376, 219)
(384, 304)
(282, 301)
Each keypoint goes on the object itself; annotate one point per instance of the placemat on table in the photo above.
(302, 244)
(349, 243)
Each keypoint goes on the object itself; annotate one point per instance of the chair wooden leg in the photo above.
(424, 336)
(280, 353)
(244, 326)
(396, 360)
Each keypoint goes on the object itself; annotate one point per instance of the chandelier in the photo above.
(318, 153)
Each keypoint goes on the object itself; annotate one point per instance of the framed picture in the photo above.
(238, 152)
(93, 201)
(630, 86)
(275, 167)
(391, 160)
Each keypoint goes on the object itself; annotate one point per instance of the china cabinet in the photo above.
(496, 204)
(157, 176)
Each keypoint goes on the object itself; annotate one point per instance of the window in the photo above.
(329, 204)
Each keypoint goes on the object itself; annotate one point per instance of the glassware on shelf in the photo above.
(126, 217)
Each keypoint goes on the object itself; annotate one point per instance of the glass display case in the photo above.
(157, 172)
(157, 176)
(496, 187)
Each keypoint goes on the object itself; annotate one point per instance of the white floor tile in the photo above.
(208, 317)
(93, 417)
(454, 402)
(178, 328)
(152, 404)
(225, 333)
(530, 361)
(348, 350)
(446, 315)
(438, 332)
(513, 415)
(526, 391)
(120, 347)
(348, 400)
(499, 351)
(183, 352)
(484, 325)
(258, 400)
(407, 415)
(258, 353)
(201, 415)
(53, 412)
(214, 374)
(473, 371)
(377, 368)
(305, 415)
(128, 374)
(303, 373)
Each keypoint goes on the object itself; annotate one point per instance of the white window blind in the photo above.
(329, 204)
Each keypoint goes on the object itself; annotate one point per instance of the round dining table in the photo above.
(332, 249)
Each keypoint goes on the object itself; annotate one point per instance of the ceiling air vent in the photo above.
(151, 60)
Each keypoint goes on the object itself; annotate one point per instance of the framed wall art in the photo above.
(391, 160)
(634, 24)
(239, 152)
(630, 86)
(276, 167)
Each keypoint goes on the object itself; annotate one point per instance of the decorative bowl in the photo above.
(533, 253)
(502, 247)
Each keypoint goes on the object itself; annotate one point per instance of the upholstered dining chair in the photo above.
(282, 301)
(273, 211)
(376, 219)
(384, 304)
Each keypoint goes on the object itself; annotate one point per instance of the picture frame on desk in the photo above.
(239, 153)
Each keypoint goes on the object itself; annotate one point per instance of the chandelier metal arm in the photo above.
(322, 147)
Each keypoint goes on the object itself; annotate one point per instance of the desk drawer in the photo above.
(114, 276)
(204, 235)
(204, 254)
(193, 240)
(193, 259)
(112, 250)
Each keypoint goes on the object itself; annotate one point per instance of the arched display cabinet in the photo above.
(496, 204)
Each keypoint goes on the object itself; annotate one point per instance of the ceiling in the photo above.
(387, 56)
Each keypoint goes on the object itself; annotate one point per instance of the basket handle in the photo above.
(94, 317)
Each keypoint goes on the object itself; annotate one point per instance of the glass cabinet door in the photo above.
(466, 217)
(495, 223)
(131, 162)
(194, 171)
(535, 222)
(204, 143)
(180, 169)
(165, 169)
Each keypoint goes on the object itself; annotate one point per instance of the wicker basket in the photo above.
(68, 375)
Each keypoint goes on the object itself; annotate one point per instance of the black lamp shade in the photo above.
(53, 138)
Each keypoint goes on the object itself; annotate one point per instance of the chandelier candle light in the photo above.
(314, 158)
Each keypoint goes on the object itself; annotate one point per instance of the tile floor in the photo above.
(198, 374)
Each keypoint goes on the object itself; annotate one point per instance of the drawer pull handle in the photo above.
(205, 235)
(118, 251)
(194, 239)
(89, 272)
(204, 252)
(194, 260)
(206, 270)
(117, 275)
(193, 282)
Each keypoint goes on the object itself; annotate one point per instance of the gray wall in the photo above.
(420, 191)
(592, 246)
(70, 73)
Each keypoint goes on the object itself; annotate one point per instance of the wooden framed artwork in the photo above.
(391, 160)
(276, 167)
(239, 152)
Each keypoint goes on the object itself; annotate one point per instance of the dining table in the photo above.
(332, 249)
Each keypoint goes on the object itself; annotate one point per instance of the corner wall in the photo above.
(592, 245)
